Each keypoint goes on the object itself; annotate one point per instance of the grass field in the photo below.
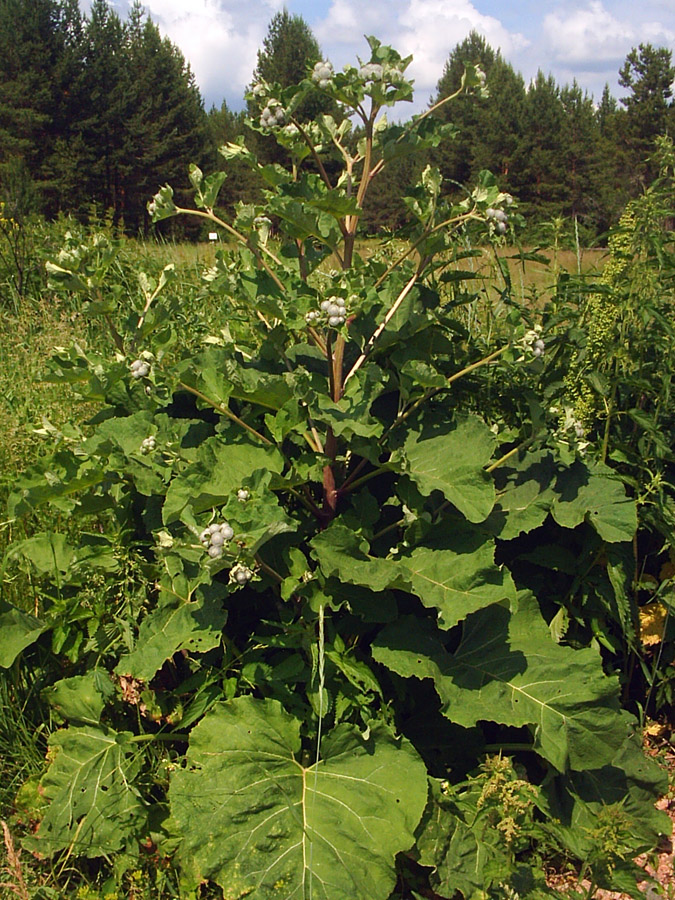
(27, 337)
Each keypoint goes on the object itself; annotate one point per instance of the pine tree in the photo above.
(167, 126)
(489, 129)
(539, 172)
(106, 108)
(32, 87)
(143, 120)
(648, 74)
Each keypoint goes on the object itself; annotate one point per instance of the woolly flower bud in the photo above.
(214, 538)
(242, 495)
(240, 574)
(272, 115)
(322, 73)
(148, 444)
(139, 368)
(371, 72)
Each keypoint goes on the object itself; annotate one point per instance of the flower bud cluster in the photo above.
(334, 312)
(371, 72)
(215, 537)
(571, 431)
(273, 115)
(243, 495)
(499, 217)
(377, 72)
(240, 574)
(140, 368)
(322, 73)
(148, 444)
(532, 342)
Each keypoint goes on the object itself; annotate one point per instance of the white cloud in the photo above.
(592, 36)
(426, 29)
(432, 28)
(219, 38)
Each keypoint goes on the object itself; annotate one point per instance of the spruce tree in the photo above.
(223, 126)
(288, 53)
(648, 74)
(32, 88)
(166, 129)
(580, 157)
(489, 129)
(539, 176)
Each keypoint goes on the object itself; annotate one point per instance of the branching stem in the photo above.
(226, 412)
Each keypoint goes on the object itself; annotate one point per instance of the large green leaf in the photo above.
(507, 669)
(94, 809)
(632, 780)
(343, 553)
(451, 459)
(457, 574)
(218, 473)
(260, 823)
(597, 496)
(524, 495)
(195, 625)
(18, 630)
(81, 698)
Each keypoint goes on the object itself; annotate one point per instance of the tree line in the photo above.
(98, 112)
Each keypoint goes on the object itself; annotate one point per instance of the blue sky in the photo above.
(583, 39)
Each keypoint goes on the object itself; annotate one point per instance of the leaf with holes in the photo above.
(257, 821)
(597, 496)
(94, 809)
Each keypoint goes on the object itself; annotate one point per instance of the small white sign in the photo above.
(213, 235)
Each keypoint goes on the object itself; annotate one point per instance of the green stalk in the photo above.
(226, 412)
(160, 736)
